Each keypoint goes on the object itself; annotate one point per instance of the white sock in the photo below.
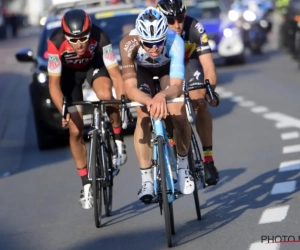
(119, 146)
(147, 175)
(182, 162)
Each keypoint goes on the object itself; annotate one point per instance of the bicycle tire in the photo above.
(96, 174)
(166, 207)
(195, 193)
(108, 188)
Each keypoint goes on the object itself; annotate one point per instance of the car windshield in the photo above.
(115, 27)
(204, 12)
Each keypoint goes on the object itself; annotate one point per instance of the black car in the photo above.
(115, 21)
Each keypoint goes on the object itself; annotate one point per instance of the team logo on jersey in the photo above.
(108, 53)
(53, 62)
(204, 38)
(92, 48)
(199, 27)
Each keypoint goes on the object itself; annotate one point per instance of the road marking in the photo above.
(284, 187)
(276, 214)
(237, 99)
(247, 104)
(289, 135)
(291, 149)
(289, 166)
(259, 109)
(283, 121)
(264, 246)
(226, 94)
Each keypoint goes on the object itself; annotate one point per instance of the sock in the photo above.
(118, 133)
(83, 173)
(147, 174)
(182, 162)
(207, 154)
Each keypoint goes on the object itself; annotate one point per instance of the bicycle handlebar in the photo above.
(67, 104)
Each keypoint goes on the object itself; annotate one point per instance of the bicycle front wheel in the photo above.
(164, 192)
(96, 174)
(195, 193)
(108, 168)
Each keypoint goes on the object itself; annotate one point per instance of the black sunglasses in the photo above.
(152, 44)
(172, 19)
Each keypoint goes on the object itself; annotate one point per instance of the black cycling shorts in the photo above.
(145, 78)
(72, 79)
(194, 76)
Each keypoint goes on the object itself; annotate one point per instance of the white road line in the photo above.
(275, 214)
(264, 246)
(284, 187)
(237, 99)
(282, 120)
(289, 166)
(247, 104)
(291, 149)
(226, 94)
(290, 135)
(259, 109)
(220, 90)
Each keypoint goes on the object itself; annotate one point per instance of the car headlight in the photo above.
(41, 77)
(228, 32)
(233, 15)
(249, 16)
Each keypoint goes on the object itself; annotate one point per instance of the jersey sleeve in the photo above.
(199, 36)
(107, 52)
(129, 46)
(176, 53)
(54, 60)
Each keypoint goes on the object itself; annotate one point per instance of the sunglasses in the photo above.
(157, 44)
(74, 40)
(172, 19)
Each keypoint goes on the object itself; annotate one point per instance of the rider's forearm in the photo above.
(174, 90)
(211, 75)
(136, 95)
(56, 94)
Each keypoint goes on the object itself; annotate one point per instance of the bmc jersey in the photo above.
(132, 52)
(61, 54)
(195, 39)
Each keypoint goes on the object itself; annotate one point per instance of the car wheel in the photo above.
(44, 140)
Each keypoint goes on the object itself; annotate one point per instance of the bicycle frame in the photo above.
(160, 131)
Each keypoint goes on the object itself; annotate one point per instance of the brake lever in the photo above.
(123, 112)
(209, 90)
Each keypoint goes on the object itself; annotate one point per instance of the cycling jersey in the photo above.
(61, 54)
(132, 52)
(195, 39)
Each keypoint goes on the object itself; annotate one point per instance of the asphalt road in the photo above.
(256, 135)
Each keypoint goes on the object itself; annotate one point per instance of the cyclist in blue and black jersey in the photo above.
(199, 65)
(149, 50)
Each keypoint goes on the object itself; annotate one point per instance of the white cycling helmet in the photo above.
(151, 25)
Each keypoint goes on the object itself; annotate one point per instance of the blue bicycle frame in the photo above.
(160, 131)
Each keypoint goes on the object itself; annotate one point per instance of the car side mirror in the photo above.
(25, 55)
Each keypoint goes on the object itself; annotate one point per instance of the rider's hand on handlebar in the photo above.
(216, 101)
(157, 106)
(65, 122)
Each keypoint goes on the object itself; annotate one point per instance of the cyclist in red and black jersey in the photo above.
(199, 65)
(80, 50)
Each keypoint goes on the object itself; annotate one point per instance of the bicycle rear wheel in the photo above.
(108, 168)
(164, 190)
(195, 193)
(96, 174)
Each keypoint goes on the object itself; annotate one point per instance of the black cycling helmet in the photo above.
(171, 8)
(76, 23)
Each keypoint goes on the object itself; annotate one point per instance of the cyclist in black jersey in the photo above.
(199, 65)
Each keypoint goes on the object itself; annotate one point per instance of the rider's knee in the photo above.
(105, 95)
(76, 133)
(200, 105)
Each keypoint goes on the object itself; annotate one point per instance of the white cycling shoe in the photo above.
(121, 157)
(146, 192)
(86, 197)
(186, 183)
